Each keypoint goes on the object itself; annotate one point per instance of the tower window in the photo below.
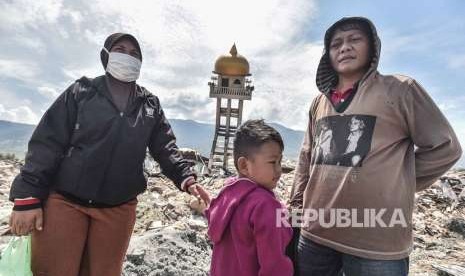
(236, 81)
(225, 82)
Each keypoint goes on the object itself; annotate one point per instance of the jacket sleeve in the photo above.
(46, 147)
(437, 146)
(163, 148)
(271, 240)
(303, 166)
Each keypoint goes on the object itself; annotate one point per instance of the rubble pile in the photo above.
(174, 250)
(439, 226)
(170, 232)
(8, 171)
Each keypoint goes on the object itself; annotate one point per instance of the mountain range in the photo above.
(190, 134)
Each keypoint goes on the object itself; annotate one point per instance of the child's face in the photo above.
(264, 167)
(349, 52)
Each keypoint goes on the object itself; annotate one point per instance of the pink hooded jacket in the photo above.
(242, 225)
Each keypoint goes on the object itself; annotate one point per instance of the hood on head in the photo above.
(326, 77)
(222, 208)
(111, 40)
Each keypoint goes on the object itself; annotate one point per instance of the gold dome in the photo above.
(233, 65)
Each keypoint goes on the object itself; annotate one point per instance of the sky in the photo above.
(48, 44)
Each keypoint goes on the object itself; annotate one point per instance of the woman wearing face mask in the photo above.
(77, 191)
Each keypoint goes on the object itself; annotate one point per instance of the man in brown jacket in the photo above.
(389, 140)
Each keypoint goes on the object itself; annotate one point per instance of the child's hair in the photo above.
(251, 135)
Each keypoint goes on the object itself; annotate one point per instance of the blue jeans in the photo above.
(317, 260)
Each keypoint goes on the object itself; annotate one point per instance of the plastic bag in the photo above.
(16, 258)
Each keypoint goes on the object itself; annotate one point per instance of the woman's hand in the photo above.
(24, 222)
(199, 192)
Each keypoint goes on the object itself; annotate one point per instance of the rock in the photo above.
(168, 251)
(155, 224)
(457, 225)
(160, 204)
(450, 270)
(172, 215)
(151, 167)
(136, 256)
(197, 224)
(287, 168)
(169, 193)
(156, 189)
(193, 155)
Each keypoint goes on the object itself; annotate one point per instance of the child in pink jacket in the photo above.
(248, 238)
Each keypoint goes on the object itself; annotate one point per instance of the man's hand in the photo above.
(24, 222)
(199, 192)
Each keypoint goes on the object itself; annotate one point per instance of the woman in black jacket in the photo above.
(77, 192)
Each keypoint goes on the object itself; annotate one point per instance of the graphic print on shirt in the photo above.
(343, 140)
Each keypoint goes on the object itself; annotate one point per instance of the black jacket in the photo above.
(85, 147)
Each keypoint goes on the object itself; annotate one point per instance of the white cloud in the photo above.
(18, 69)
(182, 39)
(190, 105)
(176, 29)
(32, 43)
(29, 13)
(76, 16)
(21, 114)
(74, 73)
(180, 42)
(48, 92)
(285, 85)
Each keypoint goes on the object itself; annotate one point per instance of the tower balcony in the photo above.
(242, 93)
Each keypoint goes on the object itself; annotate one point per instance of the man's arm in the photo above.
(438, 148)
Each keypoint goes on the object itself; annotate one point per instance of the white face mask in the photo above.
(123, 67)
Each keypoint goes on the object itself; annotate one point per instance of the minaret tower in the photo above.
(230, 85)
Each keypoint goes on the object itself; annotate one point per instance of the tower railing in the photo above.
(231, 93)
